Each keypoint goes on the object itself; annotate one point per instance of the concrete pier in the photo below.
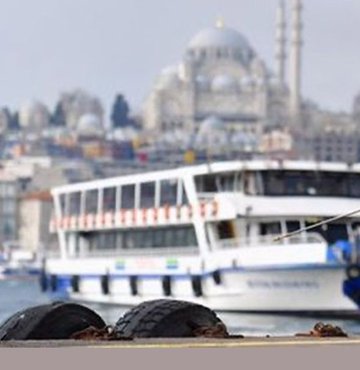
(183, 343)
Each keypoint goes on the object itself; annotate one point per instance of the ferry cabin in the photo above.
(198, 221)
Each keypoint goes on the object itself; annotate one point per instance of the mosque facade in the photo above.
(222, 84)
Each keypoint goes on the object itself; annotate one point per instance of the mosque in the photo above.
(222, 84)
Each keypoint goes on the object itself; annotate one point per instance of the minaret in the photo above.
(280, 47)
(295, 60)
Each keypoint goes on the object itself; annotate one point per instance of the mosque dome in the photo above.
(219, 37)
(224, 83)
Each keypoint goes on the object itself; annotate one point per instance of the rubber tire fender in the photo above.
(58, 320)
(165, 318)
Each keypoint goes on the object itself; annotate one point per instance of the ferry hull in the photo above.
(307, 289)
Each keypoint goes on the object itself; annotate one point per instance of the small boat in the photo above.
(208, 234)
(17, 263)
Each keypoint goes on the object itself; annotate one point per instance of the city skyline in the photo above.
(110, 47)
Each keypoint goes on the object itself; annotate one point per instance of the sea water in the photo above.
(16, 295)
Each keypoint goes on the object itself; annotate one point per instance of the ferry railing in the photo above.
(266, 240)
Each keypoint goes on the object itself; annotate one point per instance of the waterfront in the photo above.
(19, 294)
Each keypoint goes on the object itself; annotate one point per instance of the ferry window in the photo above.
(225, 230)
(74, 204)
(292, 226)
(128, 196)
(354, 185)
(129, 242)
(191, 237)
(169, 237)
(335, 232)
(158, 238)
(147, 195)
(109, 199)
(142, 238)
(91, 201)
(119, 240)
(226, 182)
(206, 184)
(146, 239)
(270, 228)
(168, 192)
(311, 183)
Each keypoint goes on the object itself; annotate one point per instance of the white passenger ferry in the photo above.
(206, 234)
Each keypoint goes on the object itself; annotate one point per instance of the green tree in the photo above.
(58, 118)
(120, 112)
(14, 121)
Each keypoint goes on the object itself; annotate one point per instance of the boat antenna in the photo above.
(324, 222)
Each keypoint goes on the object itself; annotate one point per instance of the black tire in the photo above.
(165, 318)
(57, 320)
(353, 271)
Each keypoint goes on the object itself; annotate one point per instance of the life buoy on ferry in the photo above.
(102, 218)
(123, 216)
(196, 285)
(133, 281)
(203, 209)
(52, 225)
(178, 212)
(89, 220)
(144, 215)
(75, 283)
(58, 223)
(74, 222)
(155, 214)
(215, 208)
(190, 211)
(166, 285)
(167, 211)
(134, 216)
(66, 223)
(353, 271)
(104, 282)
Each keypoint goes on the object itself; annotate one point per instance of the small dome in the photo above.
(225, 84)
(89, 124)
(169, 77)
(202, 82)
(210, 124)
(247, 81)
(219, 38)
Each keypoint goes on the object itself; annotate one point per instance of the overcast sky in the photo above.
(110, 46)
